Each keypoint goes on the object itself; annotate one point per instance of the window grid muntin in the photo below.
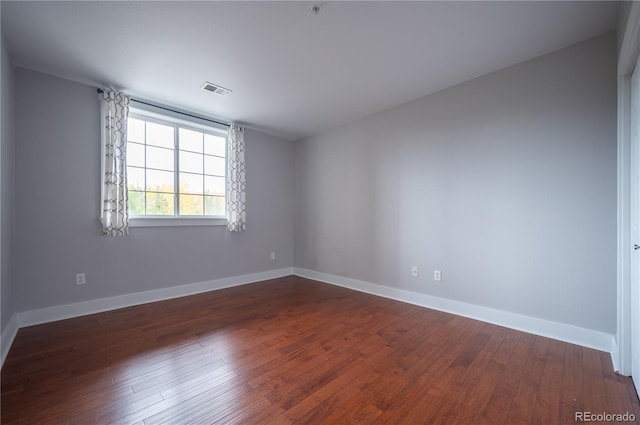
(176, 194)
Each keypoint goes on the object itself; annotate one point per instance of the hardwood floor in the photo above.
(292, 350)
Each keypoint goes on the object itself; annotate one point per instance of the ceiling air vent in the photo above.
(220, 91)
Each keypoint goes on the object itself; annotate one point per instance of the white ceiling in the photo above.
(292, 73)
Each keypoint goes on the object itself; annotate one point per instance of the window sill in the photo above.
(176, 221)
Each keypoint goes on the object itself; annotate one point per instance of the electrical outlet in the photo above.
(437, 275)
(414, 271)
(273, 255)
(80, 279)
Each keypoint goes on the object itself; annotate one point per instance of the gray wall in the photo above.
(506, 183)
(623, 20)
(7, 306)
(56, 210)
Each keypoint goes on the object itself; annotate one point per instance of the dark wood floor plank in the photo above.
(327, 399)
(460, 388)
(496, 339)
(346, 411)
(500, 403)
(124, 413)
(571, 396)
(505, 350)
(477, 399)
(633, 395)
(547, 407)
(523, 403)
(295, 351)
(595, 399)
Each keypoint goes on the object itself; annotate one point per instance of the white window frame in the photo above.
(162, 116)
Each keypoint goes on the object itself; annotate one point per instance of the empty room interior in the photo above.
(291, 212)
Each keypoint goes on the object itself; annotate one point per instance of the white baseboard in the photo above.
(67, 311)
(561, 331)
(615, 355)
(8, 335)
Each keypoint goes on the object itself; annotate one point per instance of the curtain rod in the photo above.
(173, 110)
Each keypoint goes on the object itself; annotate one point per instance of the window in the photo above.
(175, 169)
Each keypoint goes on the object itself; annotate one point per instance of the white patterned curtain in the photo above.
(114, 214)
(236, 181)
